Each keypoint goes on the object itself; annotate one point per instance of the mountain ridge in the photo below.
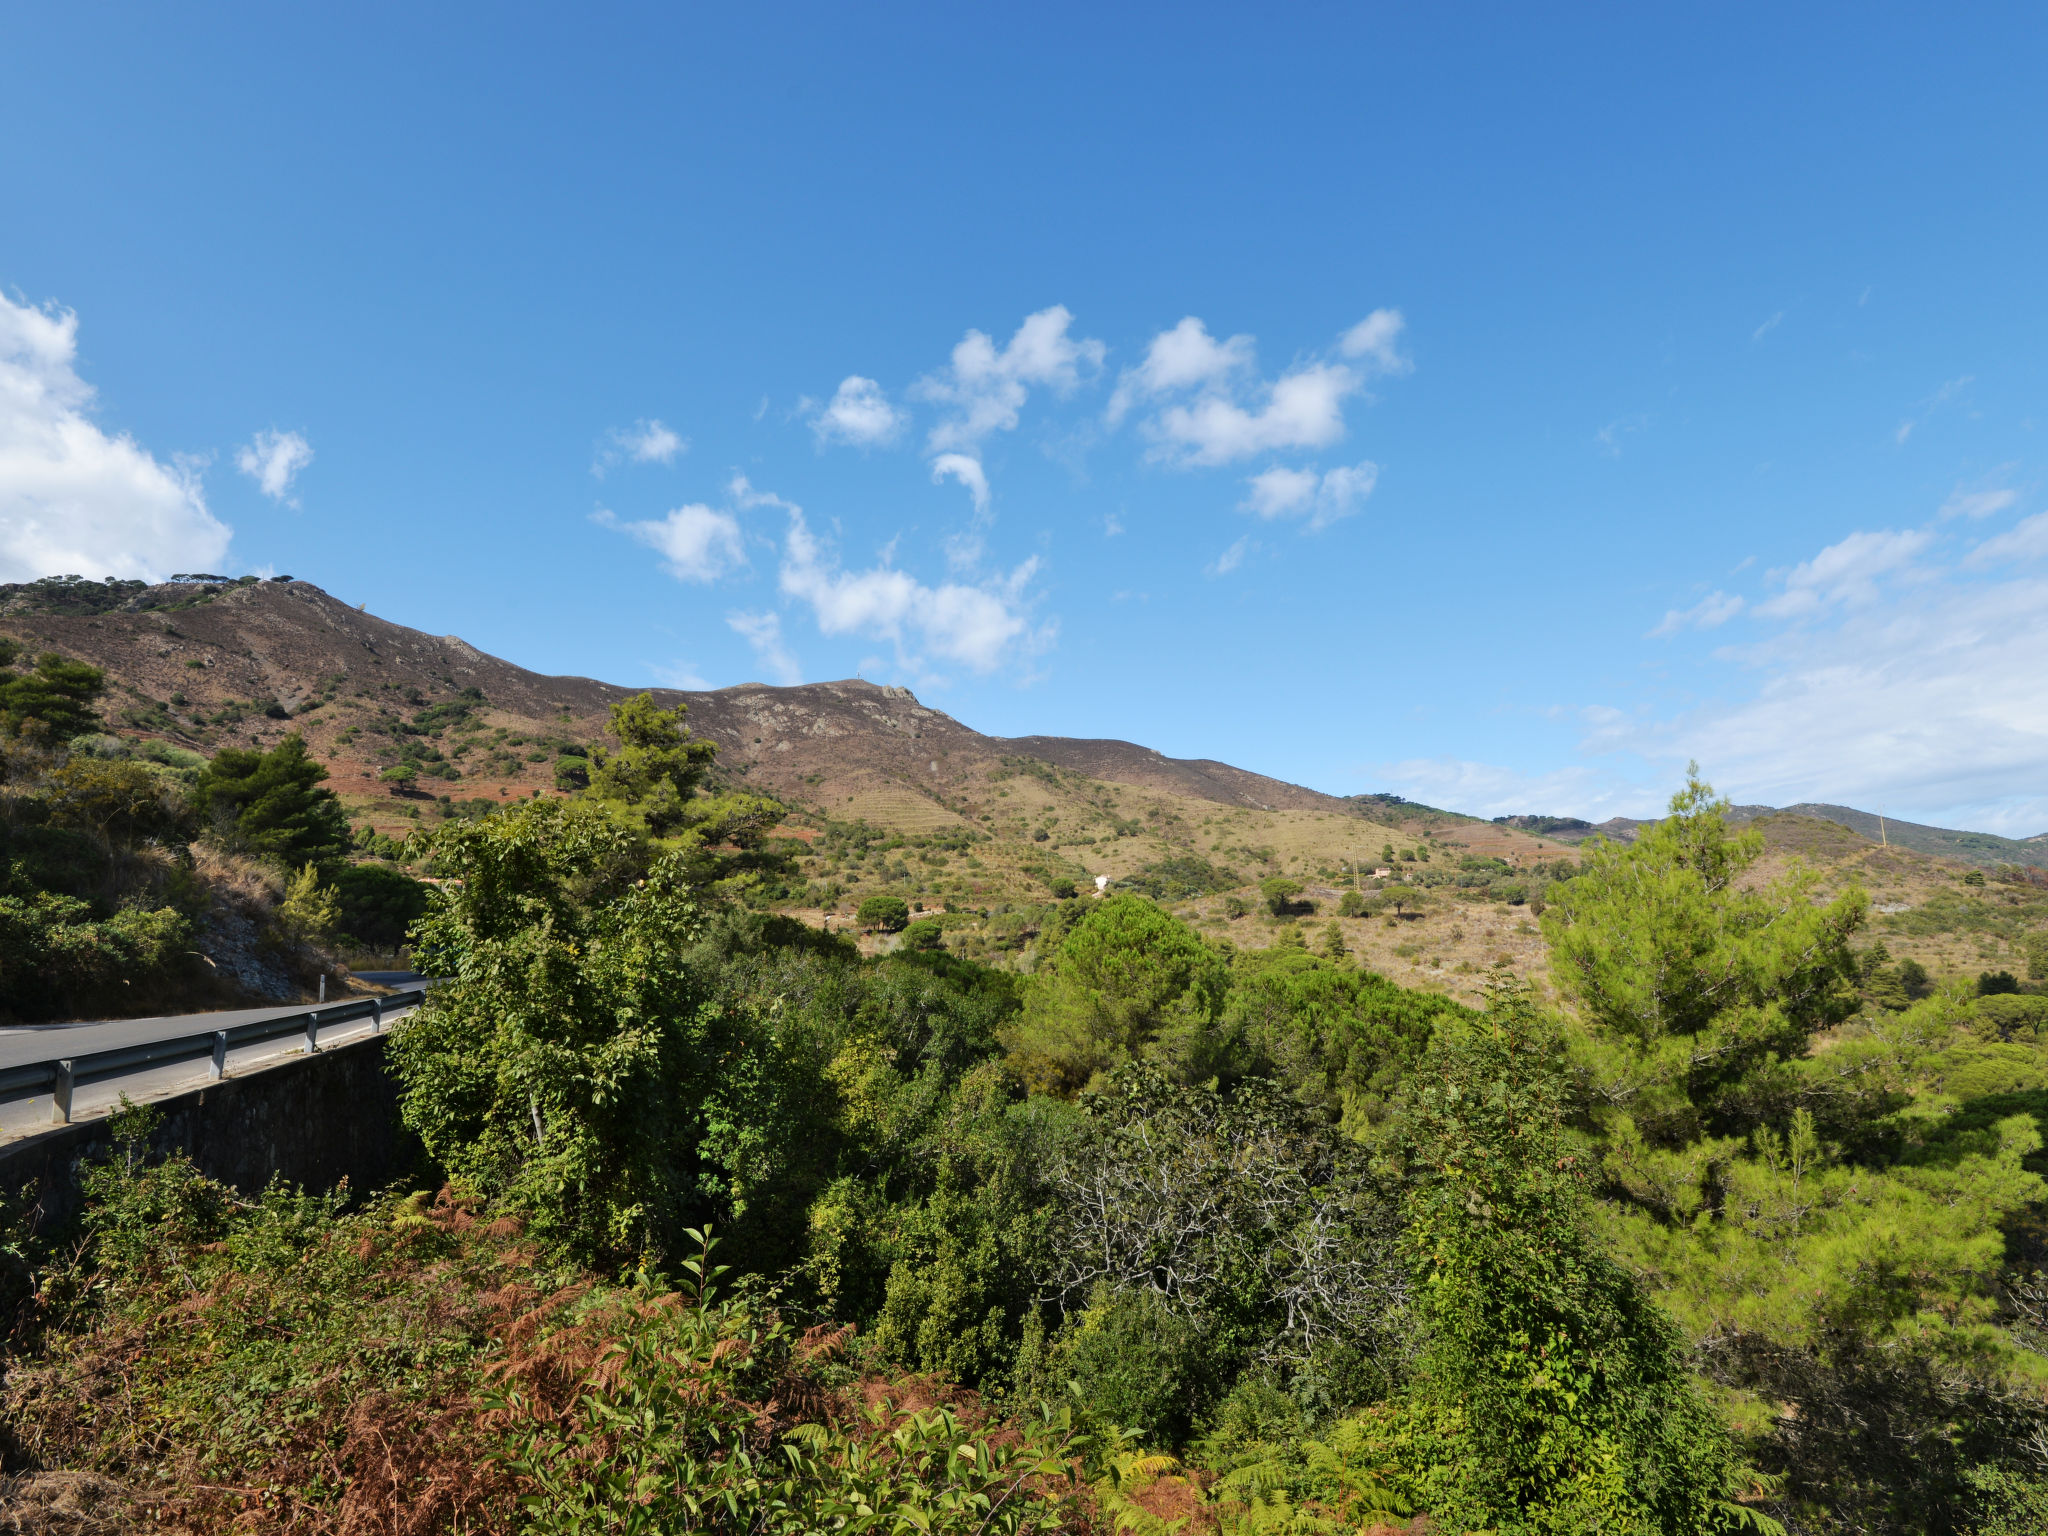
(253, 659)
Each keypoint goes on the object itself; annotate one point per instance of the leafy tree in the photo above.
(658, 765)
(119, 803)
(1340, 1041)
(376, 906)
(272, 803)
(309, 910)
(889, 914)
(400, 776)
(655, 780)
(52, 700)
(1831, 1250)
(1199, 1231)
(1552, 1394)
(1992, 983)
(926, 933)
(58, 959)
(1127, 977)
(1913, 978)
(572, 773)
(1404, 899)
(1690, 983)
(1280, 892)
(574, 1065)
(1351, 904)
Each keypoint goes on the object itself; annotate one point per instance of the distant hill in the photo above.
(206, 661)
(1985, 849)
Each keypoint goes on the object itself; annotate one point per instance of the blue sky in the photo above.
(1490, 405)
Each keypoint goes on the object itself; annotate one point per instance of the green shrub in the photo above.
(889, 914)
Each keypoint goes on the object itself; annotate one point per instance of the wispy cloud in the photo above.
(74, 498)
(1321, 499)
(680, 674)
(763, 631)
(1977, 504)
(1608, 438)
(1710, 612)
(273, 460)
(1375, 342)
(2024, 542)
(966, 469)
(1926, 408)
(1767, 327)
(697, 543)
(1846, 572)
(1232, 557)
(645, 442)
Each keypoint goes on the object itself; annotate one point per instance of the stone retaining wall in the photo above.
(315, 1119)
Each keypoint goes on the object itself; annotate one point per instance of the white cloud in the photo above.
(1302, 409)
(859, 413)
(680, 674)
(1323, 499)
(696, 542)
(645, 442)
(1373, 340)
(763, 631)
(1710, 612)
(273, 460)
(1232, 557)
(1767, 327)
(74, 500)
(1846, 572)
(2025, 540)
(1186, 357)
(1976, 504)
(979, 625)
(984, 389)
(968, 471)
(1926, 705)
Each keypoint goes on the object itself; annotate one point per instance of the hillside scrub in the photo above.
(147, 882)
(1249, 1240)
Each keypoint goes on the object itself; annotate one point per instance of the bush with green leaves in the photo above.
(57, 959)
(50, 701)
(1125, 980)
(376, 906)
(273, 804)
(884, 914)
(1552, 1393)
(1829, 1226)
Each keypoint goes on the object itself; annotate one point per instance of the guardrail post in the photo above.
(60, 1095)
(220, 1054)
(312, 1034)
(376, 1015)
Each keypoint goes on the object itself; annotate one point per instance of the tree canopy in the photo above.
(52, 699)
(272, 803)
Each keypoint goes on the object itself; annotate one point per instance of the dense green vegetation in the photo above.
(1743, 1235)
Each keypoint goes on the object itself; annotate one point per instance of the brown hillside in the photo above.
(228, 664)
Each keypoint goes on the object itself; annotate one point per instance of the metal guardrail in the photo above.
(62, 1075)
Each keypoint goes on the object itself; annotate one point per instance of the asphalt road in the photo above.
(22, 1044)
